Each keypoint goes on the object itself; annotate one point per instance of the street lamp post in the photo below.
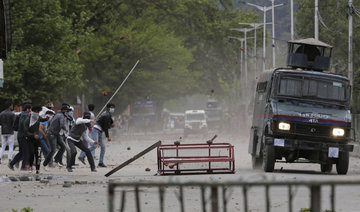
(235, 85)
(264, 9)
(316, 20)
(244, 30)
(255, 25)
(292, 19)
(242, 40)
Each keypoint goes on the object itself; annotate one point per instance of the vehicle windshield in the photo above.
(198, 116)
(312, 88)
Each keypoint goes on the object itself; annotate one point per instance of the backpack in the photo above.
(16, 122)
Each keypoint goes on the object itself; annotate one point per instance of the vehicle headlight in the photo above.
(284, 126)
(338, 132)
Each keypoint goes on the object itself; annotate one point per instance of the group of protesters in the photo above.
(41, 130)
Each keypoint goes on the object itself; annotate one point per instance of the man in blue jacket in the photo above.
(103, 124)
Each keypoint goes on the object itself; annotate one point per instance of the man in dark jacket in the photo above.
(7, 119)
(23, 153)
(103, 124)
(56, 124)
(78, 131)
(31, 129)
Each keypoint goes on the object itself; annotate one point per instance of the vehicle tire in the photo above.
(256, 162)
(342, 165)
(268, 162)
(326, 168)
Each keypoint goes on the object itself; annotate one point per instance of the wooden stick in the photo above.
(133, 158)
(117, 90)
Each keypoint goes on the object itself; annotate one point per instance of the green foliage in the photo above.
(334, 13)
(43, 55)
(28, 209)
(182, 45)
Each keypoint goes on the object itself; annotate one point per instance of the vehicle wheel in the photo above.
(256, 162)
(268, 162)
(326, 168)
(342, 164)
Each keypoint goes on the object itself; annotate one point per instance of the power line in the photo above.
(322, 22)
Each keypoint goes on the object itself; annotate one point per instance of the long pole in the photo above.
(350, 63)
(246, 68)
(292, 18)
(255, 25)
(316, 20)
(255, 55)
(264, 9)
(273, 33)
(117, 90)
(264, 39)
(241, 58)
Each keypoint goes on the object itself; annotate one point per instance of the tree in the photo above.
(43, 62)
(64, 48)
(335, 32)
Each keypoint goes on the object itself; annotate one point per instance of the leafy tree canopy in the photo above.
(62, 49)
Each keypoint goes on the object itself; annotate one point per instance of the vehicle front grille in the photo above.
(312, 130)
(195, 125)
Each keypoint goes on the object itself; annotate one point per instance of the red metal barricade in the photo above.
(199, 158)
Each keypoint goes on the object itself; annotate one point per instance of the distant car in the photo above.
(195, 123)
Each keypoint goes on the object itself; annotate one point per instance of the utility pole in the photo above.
(255, 25)
(264, 9)
(292, 19)
(244, 30)
(273, 31)
(350, 62)
(240, 52)
(316, 19)
(235, 83)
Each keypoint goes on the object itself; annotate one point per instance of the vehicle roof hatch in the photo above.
(309, 54)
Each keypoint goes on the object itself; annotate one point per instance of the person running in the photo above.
(56, 124)
(91, 108)
(64, 133)
(45, 147)
(23, 153)
(47, 107)
(31, 130)
(103, 124)
(80, 130)
(7, 119)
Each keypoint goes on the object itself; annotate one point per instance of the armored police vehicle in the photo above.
(301, 112)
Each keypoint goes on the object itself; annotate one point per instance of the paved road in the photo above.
(346, 196)
(93, 195)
